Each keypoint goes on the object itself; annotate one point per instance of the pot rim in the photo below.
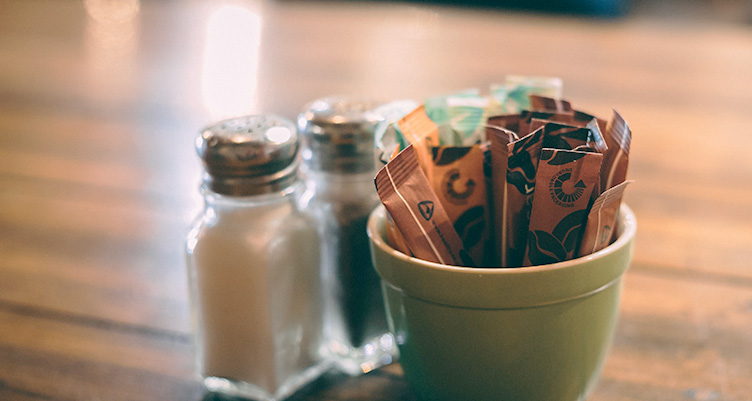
(493, 288)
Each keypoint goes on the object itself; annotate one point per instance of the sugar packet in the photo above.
(499, 140)
(387, 136)
(564, 183)
(601, 220)
(460, 184)
(514, 93)
(422, 133)
(522, 164)
(619, 138)
(417, 212)
(549, 104)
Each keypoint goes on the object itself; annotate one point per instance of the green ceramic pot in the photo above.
(535, 333)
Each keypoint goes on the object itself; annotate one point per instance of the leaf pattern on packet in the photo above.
(569, 228)
(544, 248)
(521, 172)
(443, 156)
(560, 158)
(520, 166)
(553, 247)
(471, 225)
(566, 137)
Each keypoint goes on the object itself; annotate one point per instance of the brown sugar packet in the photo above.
(460, 184)
(564, 183)
(619, 138)
(601, 220)
(564, 113)
(521, 123)
(421, 132)
(395, 238)
(598, 144)
(552, 105)
(417, 212)
(597, 141)
(542, 103)
(581, 118)
(499, 140)
(565, 136)
(527, 117)
(522, 163)
(510, 122)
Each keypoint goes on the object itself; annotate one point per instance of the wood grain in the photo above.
(99, 178)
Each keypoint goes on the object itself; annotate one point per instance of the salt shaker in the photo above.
(252, 259)
(338, 136)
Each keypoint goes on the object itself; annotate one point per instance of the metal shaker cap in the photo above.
(338, 133)
(249, 155)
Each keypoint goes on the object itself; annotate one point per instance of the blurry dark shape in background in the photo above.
(737, 11)
(590, 8)
(594, 8)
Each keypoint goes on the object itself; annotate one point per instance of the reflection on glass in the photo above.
(230, 64)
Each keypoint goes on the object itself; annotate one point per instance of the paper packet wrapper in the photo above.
(601, 220)
(581, 118)
(527, 121)
(530, 120)
(422, 133)
(395, 237)
(587, 137)
(465, 113)
(550, 104)
(417, 212)
(461, 186)
(581, 133)
(565, 136)
(514, 93)
(564, 183)
(510, 122)
(618, 137)
(499, 140)
(437, 107)
(388, 139)
(467, 118)
(522, 163)
(559, 106)
(414, 129)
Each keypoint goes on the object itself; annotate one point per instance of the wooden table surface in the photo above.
(100, 102)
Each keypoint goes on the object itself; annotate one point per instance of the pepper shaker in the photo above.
(252, 259)
(338, 136)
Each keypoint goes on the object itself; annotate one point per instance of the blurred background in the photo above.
(101, 101)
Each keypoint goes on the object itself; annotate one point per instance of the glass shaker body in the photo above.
(339, 156)
(253, 265)
(355, 322)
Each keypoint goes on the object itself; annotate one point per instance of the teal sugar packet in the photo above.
(388, 137)
(514, 94)
(457, 115)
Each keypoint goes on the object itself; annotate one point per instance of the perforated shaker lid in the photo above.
(249, 155)
(338, 134)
